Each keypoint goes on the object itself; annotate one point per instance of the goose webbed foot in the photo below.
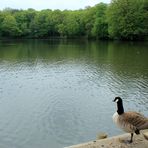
(127, 141)
(131, 140)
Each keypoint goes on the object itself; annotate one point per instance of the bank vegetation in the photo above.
(121, 19)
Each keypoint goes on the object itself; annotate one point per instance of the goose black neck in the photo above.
(120, 109)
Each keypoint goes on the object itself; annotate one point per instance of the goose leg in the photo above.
(131, 140)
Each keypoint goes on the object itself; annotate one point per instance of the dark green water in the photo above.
(56, 93)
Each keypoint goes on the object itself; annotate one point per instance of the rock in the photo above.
(101, 136)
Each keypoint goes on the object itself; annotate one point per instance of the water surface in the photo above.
(56, 93)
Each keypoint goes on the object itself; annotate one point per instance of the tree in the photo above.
(30, 15)
(62, 30)
(128, 19)
(89, 19)
(22, 23)
(121, 19)
(100, 27)
(71, 25)
(9, 27)
(39, 25)
(1, 20)
(54, 19)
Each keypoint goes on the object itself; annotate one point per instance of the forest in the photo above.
(121, 19)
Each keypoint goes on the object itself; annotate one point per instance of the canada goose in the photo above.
(130, 122)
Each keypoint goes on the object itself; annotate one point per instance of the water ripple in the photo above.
(59, 97)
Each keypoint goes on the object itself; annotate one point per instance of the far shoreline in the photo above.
(71, 38)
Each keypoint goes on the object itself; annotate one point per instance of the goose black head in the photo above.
(120, 109)
(117, 100)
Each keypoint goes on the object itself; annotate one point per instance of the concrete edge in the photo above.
(116, 142)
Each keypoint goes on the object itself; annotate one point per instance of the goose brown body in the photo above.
(131, 121)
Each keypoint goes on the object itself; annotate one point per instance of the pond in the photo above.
(56, 93)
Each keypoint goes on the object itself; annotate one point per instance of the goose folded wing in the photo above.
(136, 120)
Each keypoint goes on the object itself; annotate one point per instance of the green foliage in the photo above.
(71, 25)
(39, 25)
(9, 26)
(122, 19)
(100, 27)
(22, 22)
(128, 19)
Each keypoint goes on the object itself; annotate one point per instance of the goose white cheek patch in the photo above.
(117, 100)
